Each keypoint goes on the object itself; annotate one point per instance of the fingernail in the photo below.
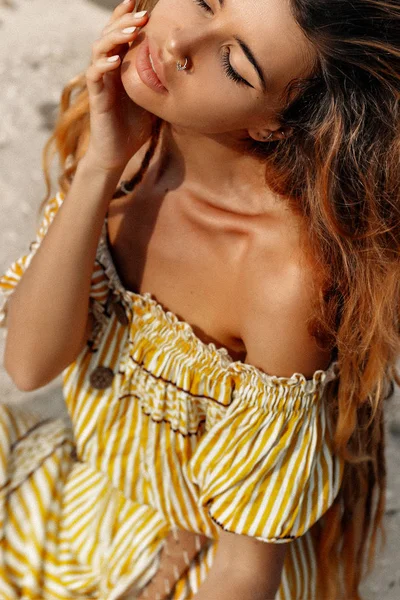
(128, 30)
(113, 58)
(140, 14)
(126, 1)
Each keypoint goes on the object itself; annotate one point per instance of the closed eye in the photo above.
(226, 65)
(203, 5)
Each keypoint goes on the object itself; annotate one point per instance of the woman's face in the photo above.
(256, 39)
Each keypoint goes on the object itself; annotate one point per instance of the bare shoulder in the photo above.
(279, 303)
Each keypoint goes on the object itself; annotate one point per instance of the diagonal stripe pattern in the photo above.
(170, 438)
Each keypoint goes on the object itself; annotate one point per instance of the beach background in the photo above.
(43, 44)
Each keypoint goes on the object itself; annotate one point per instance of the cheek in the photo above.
(213, 109)
(206, 101)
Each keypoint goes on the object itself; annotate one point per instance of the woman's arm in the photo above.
(274, 329)
(47, 314)
(229, 585)
(244, 568)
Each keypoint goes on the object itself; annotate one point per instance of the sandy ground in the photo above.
(42, 45)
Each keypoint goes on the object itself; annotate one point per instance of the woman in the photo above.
(226, 385)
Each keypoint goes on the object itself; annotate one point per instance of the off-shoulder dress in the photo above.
(172, 441)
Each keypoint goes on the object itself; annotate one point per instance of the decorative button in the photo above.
(120, 313)
(101, 378)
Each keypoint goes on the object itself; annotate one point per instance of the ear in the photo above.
(266, 135)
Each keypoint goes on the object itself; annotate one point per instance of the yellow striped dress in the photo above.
(171, 442)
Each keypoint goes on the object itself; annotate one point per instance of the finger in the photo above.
(106, 45)
(125, 7)
(97, 71)
(122, 8)
(123, 23)
(108, 51)
(105, 57)
(139, 19)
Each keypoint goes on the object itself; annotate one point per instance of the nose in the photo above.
(184, 43)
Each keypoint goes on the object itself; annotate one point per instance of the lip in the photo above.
(145, 70)
(158, 66)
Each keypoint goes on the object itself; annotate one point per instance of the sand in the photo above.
(42, 45)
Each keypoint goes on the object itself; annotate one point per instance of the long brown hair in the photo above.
(340, 169)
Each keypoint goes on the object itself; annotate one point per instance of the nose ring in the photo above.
(180, 67)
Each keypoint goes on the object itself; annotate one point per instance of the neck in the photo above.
(215, 168)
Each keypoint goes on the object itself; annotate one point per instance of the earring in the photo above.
(267, 137)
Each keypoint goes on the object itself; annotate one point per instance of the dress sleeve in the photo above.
(266, 468)
(10, 279)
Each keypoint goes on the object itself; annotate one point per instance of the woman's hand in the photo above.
(118, 126)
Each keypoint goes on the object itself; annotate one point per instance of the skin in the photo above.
(209, 114)
(202, 232)
(203, 193)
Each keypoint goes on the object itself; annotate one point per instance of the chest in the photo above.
(194, 262)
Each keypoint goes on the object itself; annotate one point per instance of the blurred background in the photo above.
(42, 45)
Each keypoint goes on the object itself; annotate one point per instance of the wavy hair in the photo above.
(339, 169)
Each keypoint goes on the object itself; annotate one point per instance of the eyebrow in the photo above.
(249, 55)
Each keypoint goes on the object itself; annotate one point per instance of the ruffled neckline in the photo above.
(219, 355)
